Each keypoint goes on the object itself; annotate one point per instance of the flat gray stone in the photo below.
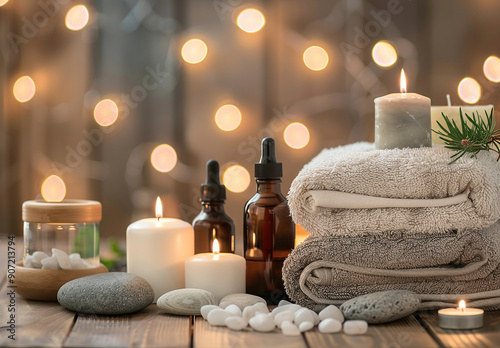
(241, 300)
(107, 293)
(381, 307)
(185, 301)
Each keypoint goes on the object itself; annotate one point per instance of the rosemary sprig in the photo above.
(476, 135)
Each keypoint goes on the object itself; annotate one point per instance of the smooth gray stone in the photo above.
(107, 293)
(185, 301)
(381, 307)
(241, 300)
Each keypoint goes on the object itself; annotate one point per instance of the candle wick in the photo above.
(448, 99)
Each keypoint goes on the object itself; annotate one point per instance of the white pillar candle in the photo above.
(157, 249)
(220, 273)
(453, 113)
(402, 120)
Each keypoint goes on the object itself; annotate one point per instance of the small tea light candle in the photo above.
(461, 318)
(220, 273)
(402, 120)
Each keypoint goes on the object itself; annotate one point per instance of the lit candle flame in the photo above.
(159, 208)
(403, 81)
(215, 247)
(461, 305)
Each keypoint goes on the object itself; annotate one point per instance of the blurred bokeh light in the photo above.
(194, 51)
(491, 68)
(296, 135)
(228, 117)
(106, 112)
(53, 189)
(469, 90)
(164, 158)
(24, 89)
(315, 58)
(384, 54)
(77, 17)
(251, 20)
(236, 178)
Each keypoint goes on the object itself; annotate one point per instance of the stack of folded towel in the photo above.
(396, 219)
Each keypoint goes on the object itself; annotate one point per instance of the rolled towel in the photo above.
(441, 268)
(354, 189)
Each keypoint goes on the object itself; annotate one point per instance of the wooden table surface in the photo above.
(41, 324)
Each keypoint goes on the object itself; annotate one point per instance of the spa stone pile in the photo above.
(58, 260)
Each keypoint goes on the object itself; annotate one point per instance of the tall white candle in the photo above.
(453, 113)
(402, 119)
(157, 249)
(220, 273)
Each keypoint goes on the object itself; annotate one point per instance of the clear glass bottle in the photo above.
(269, 232)
(213, 222)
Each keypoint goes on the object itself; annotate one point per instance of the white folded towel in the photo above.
(355, 189)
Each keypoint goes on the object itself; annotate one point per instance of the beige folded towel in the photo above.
(354, 189)
(441, 268)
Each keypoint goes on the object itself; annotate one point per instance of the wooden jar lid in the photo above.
(67, 211)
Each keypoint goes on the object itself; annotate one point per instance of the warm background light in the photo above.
(77, 17)
(491, 68)
(300, 235)
(384, 54)
(194, 51)
(53, 189)
(164, 158)
(236, 178)
(24, 89)
(315, 58)
(250, 20)
(469, 90)
(106, 112)
(296, 135)
(228, 117)
(3, 2)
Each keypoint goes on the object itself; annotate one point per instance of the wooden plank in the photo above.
(147, 328)
(207, 336)
(406, 332)
(487, 336)
(40, 324)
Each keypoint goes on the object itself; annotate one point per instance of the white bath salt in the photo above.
(289, 329)
(332, 312)
(217, 317)
(305, 326)
(50, 263)
(207, 309)
(282, 317)
(355, 327)
(262, 322)
(330, 325)
(62, 258)
(38, 256)
(234, 310)
(236, 323)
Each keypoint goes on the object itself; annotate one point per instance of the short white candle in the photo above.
(220, 273)
(461, 317)
(157, 249)
(402, 120)
(453, 113)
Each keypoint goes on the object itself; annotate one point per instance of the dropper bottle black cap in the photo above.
(212, 190)
(268, 167)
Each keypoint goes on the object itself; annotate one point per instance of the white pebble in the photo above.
(355, 327)
(87, 264)
(62, 258)
(289, 329)
(217, 317)
(38, 256)
(50, 263)
(261, 308)
(28, 262)
(291, 307)
(332, 312)
(282, 317)
(249, 312)
(262, 322)
(305, 314)
(283, 303)
(236, 323)
(234, 310)
(207, 309)
(305, 326)
(329, 325)
(76, 261)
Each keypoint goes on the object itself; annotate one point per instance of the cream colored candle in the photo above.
(453, 113)
(157, 249)
(402, 120)
(220, 273)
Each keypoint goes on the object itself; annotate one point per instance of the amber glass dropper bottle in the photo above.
(269, 232)
(213, 222)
